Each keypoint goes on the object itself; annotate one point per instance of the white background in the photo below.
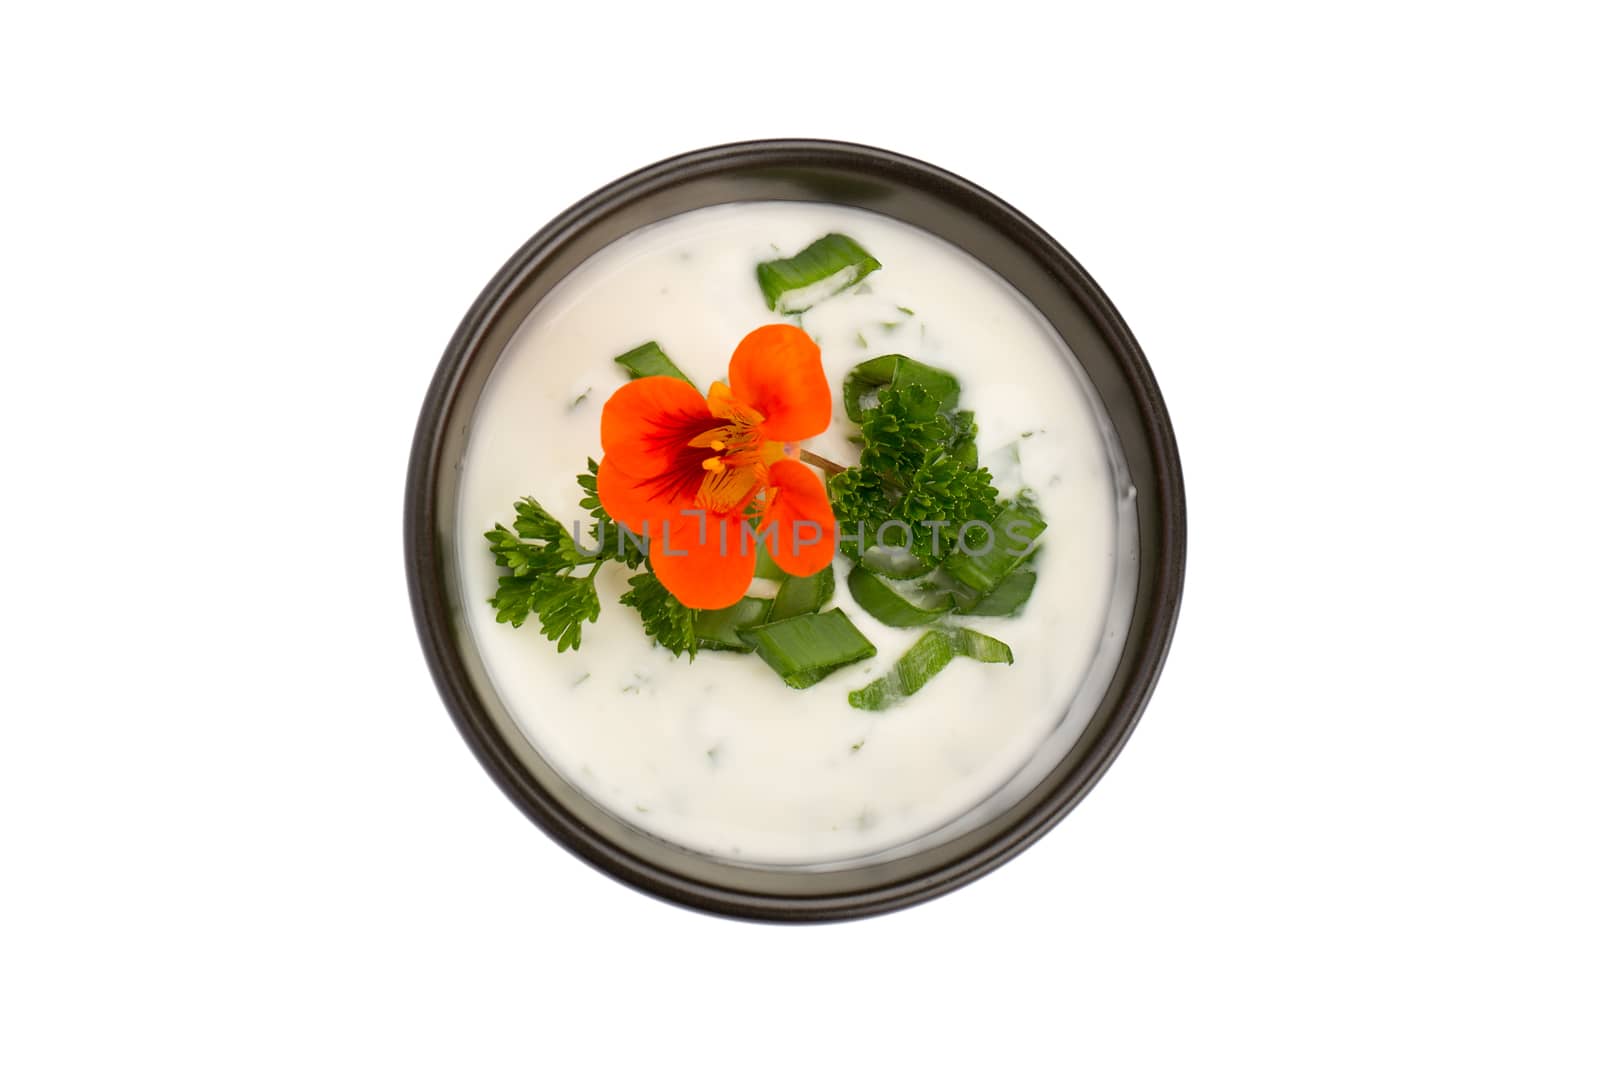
(1358, 822)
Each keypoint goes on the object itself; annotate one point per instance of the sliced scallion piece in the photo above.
(1016, 532)
(896, 371)
(804, 649)
(931, 654)
(892, 607)
(766, 567)
(719, 630)
(1006, 598)
(648, 361)
(803, 596)
(827, 266)
(981, 647)
(893, 561)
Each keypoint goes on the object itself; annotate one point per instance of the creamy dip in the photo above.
(717, 755)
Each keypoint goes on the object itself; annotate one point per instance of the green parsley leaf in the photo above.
(514, 600)
(664, 616)
(614, 544)
(918, 463)
(539, 543)
(539, 553)
(563, 604)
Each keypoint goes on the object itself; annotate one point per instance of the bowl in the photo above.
(913, 192)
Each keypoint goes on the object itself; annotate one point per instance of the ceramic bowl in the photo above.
(916, 193)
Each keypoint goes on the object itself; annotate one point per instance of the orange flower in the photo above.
(687, 469)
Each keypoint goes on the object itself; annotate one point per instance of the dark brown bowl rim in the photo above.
(424, 558)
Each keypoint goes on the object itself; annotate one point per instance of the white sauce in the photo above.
(718, 755)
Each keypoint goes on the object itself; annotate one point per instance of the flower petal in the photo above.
(803, 542)
(707, 572)
(632, 501)
(648, 422)
(778, 371)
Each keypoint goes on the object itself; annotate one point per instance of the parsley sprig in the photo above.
(603, 531)
(552, 579)
(541, 557)
(919, 471)
(664, 616)
(918, 467)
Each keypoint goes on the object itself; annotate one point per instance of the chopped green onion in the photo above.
(894, 561)
(896, 371)
(931, 654)
(648, 361)
(981, 647)
(890, 606)
(803, 596)
(827, 266)
(804, 649)
(719, 630)
(1016, 532)
(766, 567)
(1007, 597)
